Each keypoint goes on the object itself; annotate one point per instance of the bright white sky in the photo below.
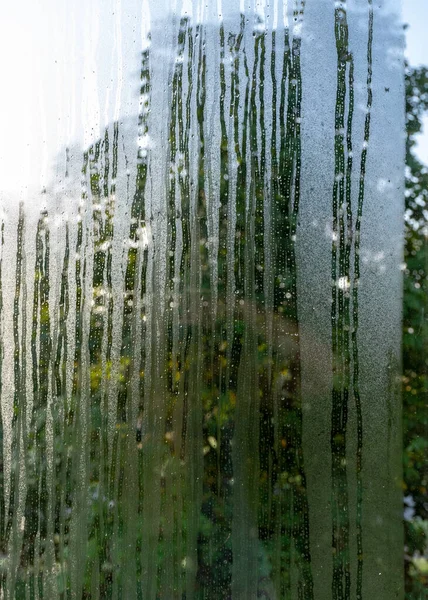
(55, 56)
(46, 45)
(415, 14)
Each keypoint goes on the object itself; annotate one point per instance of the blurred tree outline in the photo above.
(415, 335)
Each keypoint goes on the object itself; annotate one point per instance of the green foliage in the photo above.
(415, 335)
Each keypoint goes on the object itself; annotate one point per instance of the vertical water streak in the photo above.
(96, 332)
(341, 582)
(345, 288)
(293, 508)
(357, 274)
(36, 497)
(14, 476)
(139, 200)
(245, 448)
(110, 204)
(222, 329)
(10, 534)
(73, 409)
(58, 411)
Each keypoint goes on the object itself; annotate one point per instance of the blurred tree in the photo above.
(415, 335)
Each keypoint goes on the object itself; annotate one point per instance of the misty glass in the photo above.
(200, 295)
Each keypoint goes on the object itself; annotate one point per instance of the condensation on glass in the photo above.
(200, 309)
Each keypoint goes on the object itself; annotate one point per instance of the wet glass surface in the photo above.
(201, 302)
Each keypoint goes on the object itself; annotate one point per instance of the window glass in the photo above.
(204, 352)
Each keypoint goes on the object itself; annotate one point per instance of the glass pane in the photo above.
(201, 300)
(415, 361)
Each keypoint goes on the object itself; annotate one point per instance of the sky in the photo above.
(415, 15)
(55, 57)
(50, 43)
